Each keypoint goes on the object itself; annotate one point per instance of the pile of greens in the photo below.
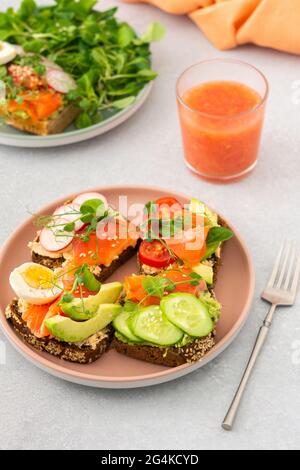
(109, 62)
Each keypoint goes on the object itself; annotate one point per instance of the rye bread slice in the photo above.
(51, 263)
(105, 271)
(169, 357)
(48, 127)
(85, 353)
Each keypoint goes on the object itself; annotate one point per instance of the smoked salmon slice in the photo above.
(99, 251)
(133, 285)
(35, 316)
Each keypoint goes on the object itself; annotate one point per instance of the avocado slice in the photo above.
(199, 207)
(206, 272)
(72, 331)
(83, 309)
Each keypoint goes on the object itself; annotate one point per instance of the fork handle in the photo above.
(260, 341)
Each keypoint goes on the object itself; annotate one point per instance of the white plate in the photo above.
(15, 138)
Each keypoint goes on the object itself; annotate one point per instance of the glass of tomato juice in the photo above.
(221, 108)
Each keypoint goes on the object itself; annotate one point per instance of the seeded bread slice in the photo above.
(173, 357)
(104, 271)
(48, 127)
(169, 357)
(84, 353)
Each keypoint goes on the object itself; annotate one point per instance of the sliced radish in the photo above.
(50, 65)
(60, 80)
(66, 214)
(51, 240)
(79, 200)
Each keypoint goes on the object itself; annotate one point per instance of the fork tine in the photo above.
(286, 255)
(291, 265)
(296, 276)
(276, 267)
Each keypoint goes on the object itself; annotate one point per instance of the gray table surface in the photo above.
(39, 411)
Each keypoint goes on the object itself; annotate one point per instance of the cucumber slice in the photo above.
(150, 325)
(121, 324)
(188, 313)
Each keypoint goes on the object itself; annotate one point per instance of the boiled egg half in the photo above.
(35, 284)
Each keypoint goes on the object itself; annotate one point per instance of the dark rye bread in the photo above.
(51, 263)
(217, 260)
(169, 357)
(85, 353)
(106, 271)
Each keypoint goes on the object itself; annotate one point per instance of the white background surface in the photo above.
(39, 411)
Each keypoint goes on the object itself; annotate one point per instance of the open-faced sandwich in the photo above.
(166, 313)
(84, 231)
(170, 229)
(34, 92)
(170, 309)
(169, 319)
(68, 316)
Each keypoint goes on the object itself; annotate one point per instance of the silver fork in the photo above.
(281, 290)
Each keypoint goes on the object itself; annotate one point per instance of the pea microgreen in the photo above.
(154, 285)
(90, 213)
(67, 297)
(157, 286)
(157, 227)
(130, 306)
(82, 277)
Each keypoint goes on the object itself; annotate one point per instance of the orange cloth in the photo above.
(228, 23)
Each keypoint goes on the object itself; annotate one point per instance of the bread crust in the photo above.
(218, 259)
(86, 353)
(48, 127)
(169, 357)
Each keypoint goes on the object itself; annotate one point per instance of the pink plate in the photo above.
(234, 289)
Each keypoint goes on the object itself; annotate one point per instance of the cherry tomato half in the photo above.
(154, 254)
(168, 207)
(167, 201)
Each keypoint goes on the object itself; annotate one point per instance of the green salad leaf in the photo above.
(155, 32)
(110, 63)
(215, 236)
(27, 8)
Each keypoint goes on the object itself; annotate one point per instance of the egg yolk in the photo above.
(38, 277)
